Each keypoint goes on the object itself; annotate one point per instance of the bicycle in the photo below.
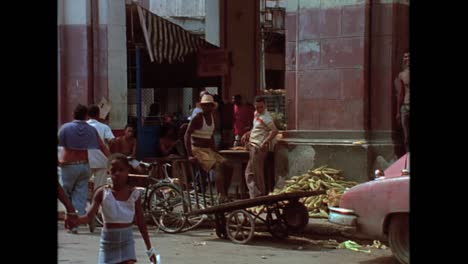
(164, 200)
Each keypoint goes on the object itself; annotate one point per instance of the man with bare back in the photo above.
(403, 98)
(125, 144)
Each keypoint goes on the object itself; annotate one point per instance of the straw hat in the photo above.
(208, 99)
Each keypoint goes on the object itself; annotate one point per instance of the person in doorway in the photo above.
(76, 138)
(243, 116)
(258, 141)
(97, 159)
(153, 114)
(121, 206)
(169, 143)
(403, 99)
(200, 147)
(126, 144)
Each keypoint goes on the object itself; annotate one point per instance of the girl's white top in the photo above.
(114, 211)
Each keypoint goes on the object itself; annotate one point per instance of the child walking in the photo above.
(121, 206)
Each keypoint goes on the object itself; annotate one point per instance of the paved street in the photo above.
(202, 246)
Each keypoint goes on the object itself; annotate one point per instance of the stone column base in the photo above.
(349, 151)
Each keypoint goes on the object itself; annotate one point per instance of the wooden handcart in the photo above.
(238, 221)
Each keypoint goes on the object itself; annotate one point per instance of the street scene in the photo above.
(233, 131)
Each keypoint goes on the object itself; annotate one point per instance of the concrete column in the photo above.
(117, 62)
(92, 57)
(241, 38)
(74, 56)
(292, 9)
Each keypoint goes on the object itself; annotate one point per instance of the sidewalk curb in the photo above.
(322, 227)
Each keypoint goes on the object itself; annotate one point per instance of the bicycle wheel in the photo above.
(194, 221)
(163, 206)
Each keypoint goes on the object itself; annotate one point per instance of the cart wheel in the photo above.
(296, 216)
(277, 225)
(240, 226)
(278, 229)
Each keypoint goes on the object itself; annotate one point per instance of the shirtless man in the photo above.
(76, 138)
(403, 98)
(200, 146)
(125, 144)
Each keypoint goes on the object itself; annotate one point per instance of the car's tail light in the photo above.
(378, 174)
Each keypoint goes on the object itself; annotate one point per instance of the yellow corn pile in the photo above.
(321, 178)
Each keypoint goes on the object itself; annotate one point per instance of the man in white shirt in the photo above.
(97, 159)
(258, 140)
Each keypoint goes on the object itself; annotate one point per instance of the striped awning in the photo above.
(167, 41)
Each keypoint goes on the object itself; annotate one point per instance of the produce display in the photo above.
(279, 120)
(321, 178)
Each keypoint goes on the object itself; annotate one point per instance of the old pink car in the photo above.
(379, 209)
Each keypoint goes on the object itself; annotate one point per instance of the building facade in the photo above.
(341, 59)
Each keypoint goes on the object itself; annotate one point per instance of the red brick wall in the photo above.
(75, 79)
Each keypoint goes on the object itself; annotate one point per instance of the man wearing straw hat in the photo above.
(200, 146)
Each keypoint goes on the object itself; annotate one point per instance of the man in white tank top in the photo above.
(200, 146)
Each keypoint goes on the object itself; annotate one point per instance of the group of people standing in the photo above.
(253, 129)
(85, 151)
(88, 142)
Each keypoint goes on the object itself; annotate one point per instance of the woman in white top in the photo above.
(121, 206)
